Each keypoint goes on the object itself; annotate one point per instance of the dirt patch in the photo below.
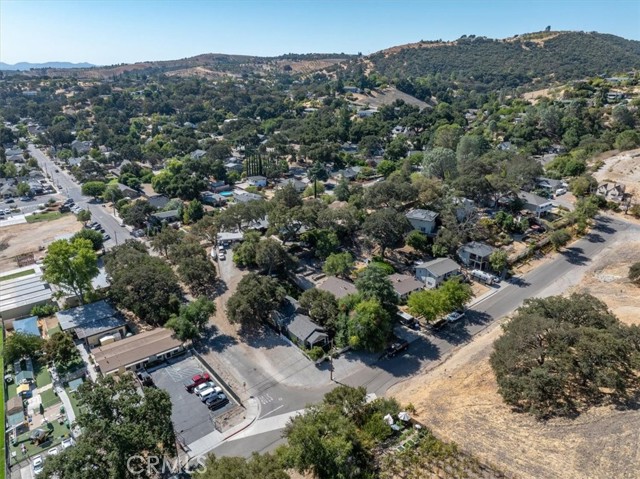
(623, 167)
(388, 96)
(459, 402)
(31, 237)
(534, 96)
(608, 281)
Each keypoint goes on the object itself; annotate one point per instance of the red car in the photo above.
(197, 380)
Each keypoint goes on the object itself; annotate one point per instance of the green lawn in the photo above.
(48, 216)
(17, 275)
(2, 436)
(74, 401)
(42, 374)
(54, 330)
(42, 379)
(59, 432)
(49, 398)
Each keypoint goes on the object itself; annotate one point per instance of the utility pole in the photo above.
(331, 361)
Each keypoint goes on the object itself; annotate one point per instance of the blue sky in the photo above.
(115, 31)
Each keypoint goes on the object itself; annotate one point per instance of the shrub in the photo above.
(315, 353)
(44, 310)
(559, 238)
(634, 273)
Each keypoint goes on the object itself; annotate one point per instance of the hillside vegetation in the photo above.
(485, 63)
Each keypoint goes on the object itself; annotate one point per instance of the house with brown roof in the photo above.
(135, 352)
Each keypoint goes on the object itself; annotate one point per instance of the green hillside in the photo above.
(484, 63)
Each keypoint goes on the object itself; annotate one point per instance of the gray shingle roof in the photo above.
(338, 287)
(303, 328)
(440, 266)
(532, 199)
(477, 248)
(423, 215)
(405, 284)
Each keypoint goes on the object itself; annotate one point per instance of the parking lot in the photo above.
(191, 418)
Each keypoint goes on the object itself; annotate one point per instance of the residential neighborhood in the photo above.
(215, 262)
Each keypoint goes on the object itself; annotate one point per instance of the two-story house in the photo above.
(423, 220)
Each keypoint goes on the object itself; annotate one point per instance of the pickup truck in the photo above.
(196, 381)
(396, 348)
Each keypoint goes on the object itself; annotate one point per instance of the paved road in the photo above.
(552, 277)
(69, 188)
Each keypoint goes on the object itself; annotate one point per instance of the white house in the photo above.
(423, 220)
(258, 181)
(433, 273)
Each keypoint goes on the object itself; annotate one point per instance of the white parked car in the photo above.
(201, 387)
(53, 451)
(455, 316)
(205, 394)
(67, 443)
(38, 464)
(561, 191)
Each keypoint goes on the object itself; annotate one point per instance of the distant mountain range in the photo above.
(473, 62)
(23, 66)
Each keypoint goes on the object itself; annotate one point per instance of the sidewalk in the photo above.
(68, 408)
(488, 294)
(209, 442)
(84, 354)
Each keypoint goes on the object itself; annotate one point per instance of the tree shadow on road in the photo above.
(518, 281)
(594, 238)
(263, 337)
(575, 256)
(603, 228)
(454, 334)
(410, 361)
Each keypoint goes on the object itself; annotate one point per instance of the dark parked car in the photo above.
(216, 402)
(145, 378)
(196, 380)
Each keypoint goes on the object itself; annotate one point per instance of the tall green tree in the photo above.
(264, 466)
(254, 300)
(96, 238)
(316, 173)
(20, 345)
(192, 318)
(386, 227)
(143, 284)
(121, 427)
(71, 265)
(369, 326)
(325, 443)
(560, 356)
(321, 306)
(373, 283)
(271, 256)
(60, 349)
(338, 264)
(94, 188)
(163, 240)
